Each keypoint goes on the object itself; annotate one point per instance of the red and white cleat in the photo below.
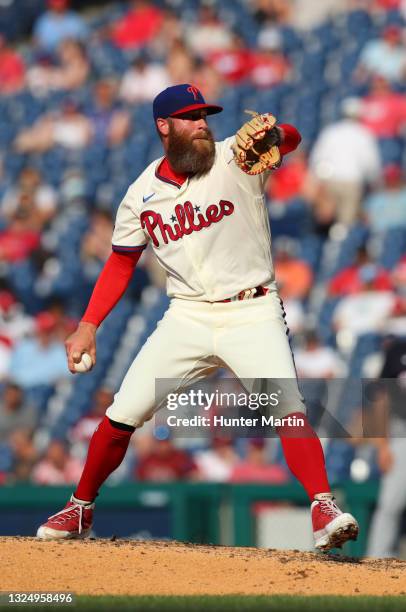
(74, 521)
(331, 527)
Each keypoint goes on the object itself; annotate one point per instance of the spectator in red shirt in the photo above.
(383, 110)
(388, 5)
(232, 63)
(164, 463)
(19, 240)
(290, 180)
(256, 468)
(140, 25)
(348, 281)
(12, 69)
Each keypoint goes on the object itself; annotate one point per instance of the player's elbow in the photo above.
(296, 137)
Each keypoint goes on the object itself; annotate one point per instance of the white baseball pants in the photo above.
(193, 339)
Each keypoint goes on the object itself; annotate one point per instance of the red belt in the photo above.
(246, 294)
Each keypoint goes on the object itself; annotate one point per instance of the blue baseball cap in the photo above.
(179, 99)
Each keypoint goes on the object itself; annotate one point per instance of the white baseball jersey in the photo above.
(211, 234)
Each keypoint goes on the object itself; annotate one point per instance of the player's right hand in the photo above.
(83, 340)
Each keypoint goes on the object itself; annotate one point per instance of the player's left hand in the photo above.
(256, 146)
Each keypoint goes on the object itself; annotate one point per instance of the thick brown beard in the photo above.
(188, 156)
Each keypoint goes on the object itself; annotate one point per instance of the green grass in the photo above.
(277, 603)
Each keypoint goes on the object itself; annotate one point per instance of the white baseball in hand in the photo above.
(84, 364)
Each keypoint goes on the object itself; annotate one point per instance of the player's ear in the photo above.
(162, 126)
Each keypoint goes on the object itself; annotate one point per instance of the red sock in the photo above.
(304, 456)
(107, 449)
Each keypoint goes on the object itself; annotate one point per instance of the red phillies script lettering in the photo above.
(194, 91)
(187, 220)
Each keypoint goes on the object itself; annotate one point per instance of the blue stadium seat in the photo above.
(348, 62)
(339, 455)
(327, 36)
(13, 164)
(292, 40)
(393, 17)
(21, 276)
(366, 345)
(312, 66)
(391, 150)
(16, 23)
(394, 246)
(6, 454)
(356, 237)
(107, 59)
(358, 21)
(310, 250)
(325, 330)
(39, 396)
(290, 219)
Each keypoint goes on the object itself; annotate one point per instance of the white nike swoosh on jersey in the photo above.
(146, 198)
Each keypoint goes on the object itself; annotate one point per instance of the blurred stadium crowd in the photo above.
(76, 128)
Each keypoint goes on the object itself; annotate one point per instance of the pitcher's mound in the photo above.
(100, 567)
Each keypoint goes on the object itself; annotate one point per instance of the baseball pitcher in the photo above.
(201, 207)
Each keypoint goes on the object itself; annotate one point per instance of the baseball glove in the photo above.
(256, 144)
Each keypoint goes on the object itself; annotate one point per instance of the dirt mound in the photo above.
(99, 567)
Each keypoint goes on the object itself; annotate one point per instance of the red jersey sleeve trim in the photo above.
(128, 249)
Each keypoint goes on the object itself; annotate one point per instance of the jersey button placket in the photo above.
(197, 266)
(188, 243)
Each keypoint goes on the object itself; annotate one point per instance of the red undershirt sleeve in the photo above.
(110, 286)
(291, 140)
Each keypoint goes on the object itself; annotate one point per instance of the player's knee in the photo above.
(122, 426)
